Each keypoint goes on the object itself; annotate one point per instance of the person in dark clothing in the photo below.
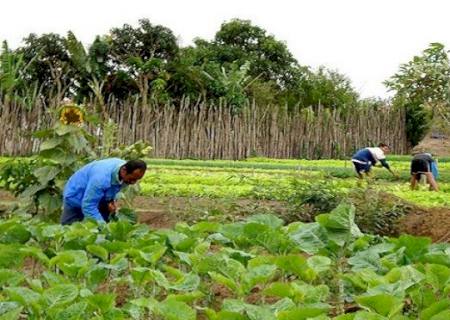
(364, 159)
(423, 164)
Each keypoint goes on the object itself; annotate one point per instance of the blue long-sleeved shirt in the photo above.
(96, 181)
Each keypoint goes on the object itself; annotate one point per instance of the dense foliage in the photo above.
(255, 269)
(241, 63)
(422, 87)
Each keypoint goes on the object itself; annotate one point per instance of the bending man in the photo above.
(364, 159)
(423, 163)
(91, 191)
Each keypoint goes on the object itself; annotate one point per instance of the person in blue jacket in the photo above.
(91, 191)
(423, 163)
(364, 159)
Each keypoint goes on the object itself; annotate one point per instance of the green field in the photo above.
(257, 267)
(273, 179)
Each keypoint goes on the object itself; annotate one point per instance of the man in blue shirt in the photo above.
(91, 191)
(364, 159)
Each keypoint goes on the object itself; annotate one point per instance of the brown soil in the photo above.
(437, 146)
(165, 212)
(431, 222)
(6, 200)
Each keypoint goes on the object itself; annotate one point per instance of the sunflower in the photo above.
(71, 114)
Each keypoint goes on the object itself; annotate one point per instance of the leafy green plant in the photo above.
(308, 200)
(64, 148)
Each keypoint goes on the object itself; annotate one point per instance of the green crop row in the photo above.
(255, 269)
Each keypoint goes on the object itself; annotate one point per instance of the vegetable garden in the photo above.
(222, 266)
(255, 239)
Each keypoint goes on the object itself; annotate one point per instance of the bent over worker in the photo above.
(423, 164)
(91, 191)
(364, 159)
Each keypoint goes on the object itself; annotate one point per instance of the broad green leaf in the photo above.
(259, 313)
(282, 305)
(189, 297)
(310, 237)
(13, 314)
(435, 309)
(50, 203)
(102, 301)
(24, 296)
(269, 220)
(62, 129)
(422, 296)
(189, 282)
(61, 294)
(229, 283)
(119, 230)
(51, 143)
(383, 304)
(31, 191)
(364, 315)
(70, 261)
(233, 231)
(293, 264)
(159, 278)
(239, 255)
(340, 224)
(35, 285)
(175, 310)
(205, 226)
(437, 275)
(54, 279)
(342, 218)
(444, 315)
(10, 277)
(319, 263)
(234, 305)
(365, 260)
(279, 289)
(152, 254)
(309, 294)
(76, 311)
(149, 303)
(35, 253)
(13, 232)
(98, 251)
(115, 246)
(302, 313)
(415, 247)
(229, 315)
(46, 173)
(97, 275)
(140, 275)
(258, 275)
(9, 310)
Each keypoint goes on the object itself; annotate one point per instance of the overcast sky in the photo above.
(366, 40)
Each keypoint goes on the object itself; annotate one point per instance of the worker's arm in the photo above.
(386, 165)
(92, 196)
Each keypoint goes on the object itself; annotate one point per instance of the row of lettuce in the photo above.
(267, 179)
(257, 269)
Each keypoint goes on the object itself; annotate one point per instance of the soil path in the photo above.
(167, 211)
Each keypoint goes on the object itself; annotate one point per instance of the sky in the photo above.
(366, 40)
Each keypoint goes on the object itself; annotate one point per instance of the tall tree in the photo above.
(330, 89)
(270, 60)
(49, 62)
(143, 53)
(422, 87)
